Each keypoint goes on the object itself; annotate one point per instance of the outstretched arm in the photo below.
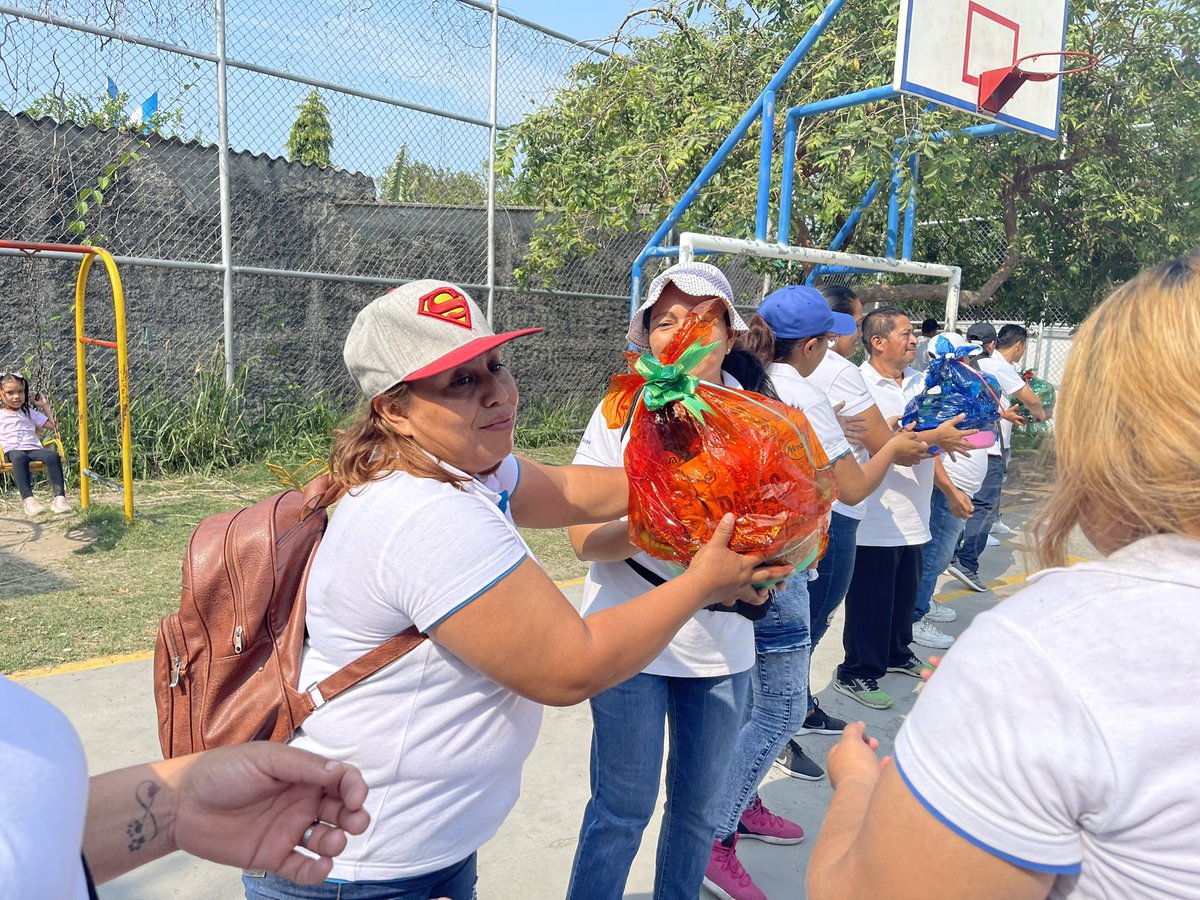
(558, 496)
(246, 806)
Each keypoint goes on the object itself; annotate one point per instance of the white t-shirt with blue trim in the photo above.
(441, 745)
(1061, 731)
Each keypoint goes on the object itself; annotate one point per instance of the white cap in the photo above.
(695, 280)
(415, 331)
(947, 343)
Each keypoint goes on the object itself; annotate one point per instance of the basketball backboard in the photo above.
(944, 45)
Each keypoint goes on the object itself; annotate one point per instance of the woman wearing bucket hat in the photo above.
(790, 334)
(426, 535)
(696, 688)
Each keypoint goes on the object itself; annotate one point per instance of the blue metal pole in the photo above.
(847, 229)
(764, 165)
(792, 127)
(910, 209)
(784, 229)
(736, 135)
(893, 216)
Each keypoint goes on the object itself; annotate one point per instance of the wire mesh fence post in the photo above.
(491, 162)
(223, 179)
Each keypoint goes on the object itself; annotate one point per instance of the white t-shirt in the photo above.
(18, 430)
(794, 390)
(1010, 382)
(710, 643)
(921, 360)
(897, 514)
(1081, 758)
(43, 799)
(842, 382)
(966, 470)
(440, 745)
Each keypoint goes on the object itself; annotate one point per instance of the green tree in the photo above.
(310, 140)
(618, 145)
(411, 181)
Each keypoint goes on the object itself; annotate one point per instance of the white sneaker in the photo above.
(992, 542)
(927, 634)
(939, 612)
(32, 507)
(60, 504)
(998, 527)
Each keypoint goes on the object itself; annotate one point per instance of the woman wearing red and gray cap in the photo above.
(427, 536)
(697, 687)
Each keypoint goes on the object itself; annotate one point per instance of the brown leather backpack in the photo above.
(227, 665)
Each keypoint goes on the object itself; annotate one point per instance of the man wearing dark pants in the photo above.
(1000, 353)
(895, 525)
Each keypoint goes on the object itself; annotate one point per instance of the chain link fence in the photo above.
(359, 138)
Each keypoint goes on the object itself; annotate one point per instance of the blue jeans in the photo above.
(702, 716)
(457, 882)
(834, 571)
(779, 698)
(987, 510)
(945, 528)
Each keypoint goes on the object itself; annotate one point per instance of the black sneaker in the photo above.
(966, 576)
(794, 762)
(911, 666)
(820, 722)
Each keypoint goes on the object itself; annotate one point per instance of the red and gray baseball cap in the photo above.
(415, 331)
(694, 279)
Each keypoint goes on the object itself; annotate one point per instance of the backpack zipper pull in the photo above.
(237, 639)
(175, 670)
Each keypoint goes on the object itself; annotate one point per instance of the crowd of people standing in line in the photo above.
(1069, 803)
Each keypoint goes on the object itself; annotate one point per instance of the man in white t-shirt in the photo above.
(955, 480)
(998, 360)
(895, 525)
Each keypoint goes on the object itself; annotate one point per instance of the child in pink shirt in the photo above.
(20, 425)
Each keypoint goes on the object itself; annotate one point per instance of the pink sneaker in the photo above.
(725, 876)
(760, 824)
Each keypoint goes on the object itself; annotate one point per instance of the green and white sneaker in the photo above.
(865, 690)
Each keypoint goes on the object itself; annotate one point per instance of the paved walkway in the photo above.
(112, 706)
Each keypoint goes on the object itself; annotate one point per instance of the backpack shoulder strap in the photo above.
(320, 493)
(371, 662)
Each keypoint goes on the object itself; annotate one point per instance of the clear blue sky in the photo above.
(434, 55)
(591, 20)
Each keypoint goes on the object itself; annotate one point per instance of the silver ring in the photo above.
(308, 833)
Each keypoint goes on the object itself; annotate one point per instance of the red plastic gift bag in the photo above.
(697, 451)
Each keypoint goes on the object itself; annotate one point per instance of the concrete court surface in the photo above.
(112, 707)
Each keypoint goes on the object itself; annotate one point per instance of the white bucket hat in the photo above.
(695, 280)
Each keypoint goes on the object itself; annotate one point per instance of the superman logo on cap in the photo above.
(447, 304)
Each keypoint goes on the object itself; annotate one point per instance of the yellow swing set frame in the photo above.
(82, 342)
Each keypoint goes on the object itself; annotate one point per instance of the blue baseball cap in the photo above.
(799, 311)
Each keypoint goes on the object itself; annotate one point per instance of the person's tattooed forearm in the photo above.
(145, 828)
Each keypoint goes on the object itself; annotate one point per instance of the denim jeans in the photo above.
(456, 882)
(833, 574)
(779, 700)
(945, 529)
(703, 716)
(987, 510)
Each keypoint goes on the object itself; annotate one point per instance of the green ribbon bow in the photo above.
(674, 383)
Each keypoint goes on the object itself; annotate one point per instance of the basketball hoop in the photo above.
(997, 86)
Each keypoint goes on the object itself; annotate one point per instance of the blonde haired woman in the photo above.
(427, 536)
(1055, 751)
